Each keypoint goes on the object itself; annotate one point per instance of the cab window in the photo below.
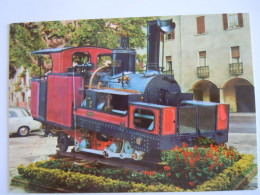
(144, 119)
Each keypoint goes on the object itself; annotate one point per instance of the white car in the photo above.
(21, 122)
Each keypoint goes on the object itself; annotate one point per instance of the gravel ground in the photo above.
(24, 150)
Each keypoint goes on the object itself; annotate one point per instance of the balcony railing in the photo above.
(236, 69)
(203, 72)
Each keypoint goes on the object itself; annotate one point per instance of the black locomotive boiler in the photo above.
(118, 112)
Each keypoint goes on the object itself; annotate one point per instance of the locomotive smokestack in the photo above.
(124, 42)
(153, 41)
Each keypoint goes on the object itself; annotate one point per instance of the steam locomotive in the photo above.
(114, 111)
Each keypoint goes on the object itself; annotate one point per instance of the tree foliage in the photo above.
(27, 37)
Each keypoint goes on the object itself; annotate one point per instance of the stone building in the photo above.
(19, 89)
(211, 56)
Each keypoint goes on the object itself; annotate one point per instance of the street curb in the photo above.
(252, 114)
(246, 180)
(60, 190)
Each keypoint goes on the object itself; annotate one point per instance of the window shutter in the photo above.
(200, 25)
(225, 21)
(161, 37)
(173, 34)
(168, 58)
(202, 54)
(235, 52)
(240, 19)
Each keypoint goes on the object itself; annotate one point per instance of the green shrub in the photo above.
(155, 182)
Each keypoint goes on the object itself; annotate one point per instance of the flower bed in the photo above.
(185, 169)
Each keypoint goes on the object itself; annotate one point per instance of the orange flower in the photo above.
(167, 168)
(177, 148)
(185, 145)
(198, 157)
(211, 167)
(205, 159)
(192, 163)
(228, 153)
(192, 184)
(63, 164)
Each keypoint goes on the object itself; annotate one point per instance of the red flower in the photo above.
(177, 148)
(192, 163)
(192, 184)
(167, 168)
(228, 153)
(153, 173)
(205, 159)
(126, 171)
(169, 174)
(70, 164)
(211, 167)
(178, 157)
(185, 145)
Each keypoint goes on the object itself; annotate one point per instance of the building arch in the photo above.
(205, 90)
(239, 94)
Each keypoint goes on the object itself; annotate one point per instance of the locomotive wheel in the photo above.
(63, 142)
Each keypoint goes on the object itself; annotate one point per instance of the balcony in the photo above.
(236, 69)
(203, 72)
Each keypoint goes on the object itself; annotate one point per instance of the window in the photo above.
(144, 119)
(80, 58)
(161, 37)
(232, 20)
(202, 58)
(104, 60)
(168, 65)
(169, 36)
(25, 112)
(23, 96)
(235, 54)
(111, 103)
(12, 114)
(200, 25)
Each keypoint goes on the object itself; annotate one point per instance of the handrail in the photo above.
(94, 74)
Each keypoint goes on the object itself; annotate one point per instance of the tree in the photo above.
(24, 38)
(141, 61)
(106, 32)
(27, 37)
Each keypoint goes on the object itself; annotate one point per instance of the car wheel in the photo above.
(23, 131)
